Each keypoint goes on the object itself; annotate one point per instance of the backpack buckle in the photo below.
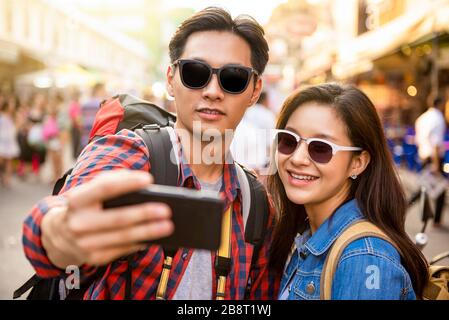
(153, 126)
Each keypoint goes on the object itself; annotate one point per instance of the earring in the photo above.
(354, 176)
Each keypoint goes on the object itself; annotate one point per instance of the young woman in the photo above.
(333, 169)
(9, 147)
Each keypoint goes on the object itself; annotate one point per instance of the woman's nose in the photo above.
(301, 155)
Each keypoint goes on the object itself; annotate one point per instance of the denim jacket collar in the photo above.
(333, 227)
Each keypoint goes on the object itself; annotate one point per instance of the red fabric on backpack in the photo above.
(107, 119)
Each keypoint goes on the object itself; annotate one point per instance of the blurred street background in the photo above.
(59, 59)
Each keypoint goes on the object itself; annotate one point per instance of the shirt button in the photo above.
(302, 255)
(310, 289)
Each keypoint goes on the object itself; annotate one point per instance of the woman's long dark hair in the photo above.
(378, 191)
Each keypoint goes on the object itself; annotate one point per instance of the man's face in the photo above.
(216, 49)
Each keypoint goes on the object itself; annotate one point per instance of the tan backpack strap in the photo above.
(162, 286)
(224, 253)
(360, 229)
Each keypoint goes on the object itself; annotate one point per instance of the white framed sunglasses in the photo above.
(320, 150)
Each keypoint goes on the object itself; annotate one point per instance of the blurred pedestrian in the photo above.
(35, 137)
(23, 127)
(76, 124)
(89, 111)
(63, 118)
(430, 129)
(147, 95)
(52, 137)
(251, 143)
(9, 147)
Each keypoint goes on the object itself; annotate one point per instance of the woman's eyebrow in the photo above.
(317, 135)
(325, 136)
(292, 130)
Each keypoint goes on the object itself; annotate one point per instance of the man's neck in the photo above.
(208, 173)
(206, 159)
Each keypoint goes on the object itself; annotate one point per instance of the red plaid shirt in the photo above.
(127, 150)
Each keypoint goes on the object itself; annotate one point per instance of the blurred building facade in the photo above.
(46, 43)
(396, 50)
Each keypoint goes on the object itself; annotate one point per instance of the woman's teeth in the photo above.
(301, 177)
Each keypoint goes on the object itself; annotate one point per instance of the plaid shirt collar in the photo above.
(230, 187)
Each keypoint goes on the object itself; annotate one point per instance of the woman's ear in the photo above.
(170, 74)
(359, 163)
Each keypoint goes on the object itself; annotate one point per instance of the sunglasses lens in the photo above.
(320, 152)
(195, 74)
(286, 143)
(234, 79)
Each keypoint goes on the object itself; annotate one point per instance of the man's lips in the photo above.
(211, 111)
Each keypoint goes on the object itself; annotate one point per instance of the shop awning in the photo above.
(356, 56)
(61, 76)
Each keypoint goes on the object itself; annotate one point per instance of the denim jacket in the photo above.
(369, 268)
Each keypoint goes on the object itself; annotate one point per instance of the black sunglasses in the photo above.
(320, 151)
(196, 74)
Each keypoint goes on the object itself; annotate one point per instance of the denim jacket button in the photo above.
(310, 288)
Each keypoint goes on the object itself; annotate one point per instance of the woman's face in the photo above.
(328, 181)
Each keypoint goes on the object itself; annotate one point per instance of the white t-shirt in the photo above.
(430, 129)
(196, 282)
(251, 143)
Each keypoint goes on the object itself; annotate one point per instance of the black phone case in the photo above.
(197, 219)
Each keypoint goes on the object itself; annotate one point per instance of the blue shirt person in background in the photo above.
(333, 168)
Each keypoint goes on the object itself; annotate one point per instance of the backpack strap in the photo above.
(255, 210)
(438, 284)
(223, 258)
(31, 283)
(358, 230)
(60, 182)
(169, 253)
(164, 163)
(164, 166)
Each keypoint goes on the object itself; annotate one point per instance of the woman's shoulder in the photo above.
(376, 254)
(372, 246)
(376, 271)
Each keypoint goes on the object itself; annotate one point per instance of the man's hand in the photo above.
(84, 233)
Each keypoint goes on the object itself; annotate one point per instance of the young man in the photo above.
(430, 130)
(73, 229)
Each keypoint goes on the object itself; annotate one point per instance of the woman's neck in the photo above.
(318, 213)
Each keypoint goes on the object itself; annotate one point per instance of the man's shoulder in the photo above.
(124, 140)
(429, 118)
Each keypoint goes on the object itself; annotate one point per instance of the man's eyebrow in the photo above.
(226, 64)
(199, 59)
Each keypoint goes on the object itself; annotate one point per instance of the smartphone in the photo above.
(196, 214)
